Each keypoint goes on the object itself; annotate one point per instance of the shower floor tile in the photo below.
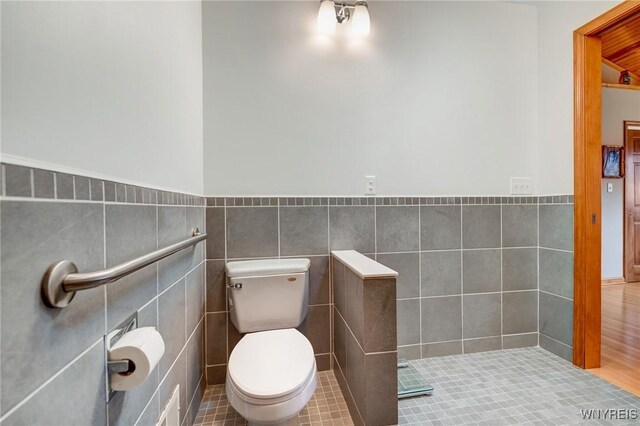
(515, 386)
(326, 407)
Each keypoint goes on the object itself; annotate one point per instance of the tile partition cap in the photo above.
(363, 266)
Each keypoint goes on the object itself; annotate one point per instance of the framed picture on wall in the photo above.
(612, 161)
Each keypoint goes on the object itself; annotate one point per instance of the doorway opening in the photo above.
(592, 44)
(631, 229)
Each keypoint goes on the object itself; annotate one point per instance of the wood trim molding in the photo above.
(587, 226)
(613, 281)
(620, 86)
(609, 18)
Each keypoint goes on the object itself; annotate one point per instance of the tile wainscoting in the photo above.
(53, 360)
(472, 269)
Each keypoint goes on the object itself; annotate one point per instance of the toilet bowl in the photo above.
(272, 370)
(271, 376)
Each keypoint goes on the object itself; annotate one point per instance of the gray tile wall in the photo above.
(468, 265)
(556, 279)
(53, 361)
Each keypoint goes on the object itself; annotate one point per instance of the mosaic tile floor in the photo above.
(509, 387)
(326, 407)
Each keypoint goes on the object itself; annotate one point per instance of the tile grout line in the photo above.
(32, 185)
(158, 293)
(375, 231)
(331, 308)
(468, 339)
(501, 282)
(205, 288)
(538, 276)
(557, 341)
(105, 296)
(353, 335)
(462, 278)
(556, 249)
(186, 299)
(55, 186)
(419, 277)
(226, 295)
(157, 303)
(556, 295)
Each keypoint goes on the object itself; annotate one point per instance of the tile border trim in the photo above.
(310, 201)
(97, 190)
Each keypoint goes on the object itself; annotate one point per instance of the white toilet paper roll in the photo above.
(144, 347)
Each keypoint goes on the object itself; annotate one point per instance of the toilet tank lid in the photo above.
(249, 268)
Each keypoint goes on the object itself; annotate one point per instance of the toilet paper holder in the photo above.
(121, 365)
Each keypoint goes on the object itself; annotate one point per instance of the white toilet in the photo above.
(272, 371)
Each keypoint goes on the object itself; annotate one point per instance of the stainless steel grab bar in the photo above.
(62, 280)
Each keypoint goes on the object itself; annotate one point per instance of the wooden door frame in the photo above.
(587, 159)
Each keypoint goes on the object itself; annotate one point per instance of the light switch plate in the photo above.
(369, 185)
(609, 187)
(520, 186)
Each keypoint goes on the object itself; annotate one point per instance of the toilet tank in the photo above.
(268, 294)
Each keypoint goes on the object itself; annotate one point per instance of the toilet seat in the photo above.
(271, 364)
(271, 375)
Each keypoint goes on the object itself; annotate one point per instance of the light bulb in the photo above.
(327, 17)
(360, 24)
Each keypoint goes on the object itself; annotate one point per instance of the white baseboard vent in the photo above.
(170, 416)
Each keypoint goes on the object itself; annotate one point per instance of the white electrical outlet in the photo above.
(609, 187)
(520, 186)
(369, 185)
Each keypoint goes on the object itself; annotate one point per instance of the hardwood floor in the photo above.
(621, 336)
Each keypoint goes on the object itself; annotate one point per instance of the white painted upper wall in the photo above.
(556, 22)
(110, 88)
(441, 98)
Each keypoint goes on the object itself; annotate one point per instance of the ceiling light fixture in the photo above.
(360, 24)
(331, 13)
(327, 17)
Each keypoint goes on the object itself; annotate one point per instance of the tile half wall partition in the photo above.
(365, 337)
(53, 360)
(471, 269)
